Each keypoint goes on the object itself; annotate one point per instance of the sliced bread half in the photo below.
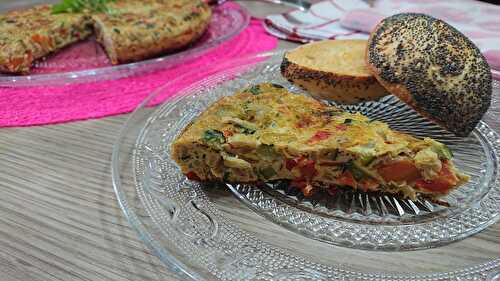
(333, 70)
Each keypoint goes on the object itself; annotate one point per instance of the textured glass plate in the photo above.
(87, 61)
(202, 233)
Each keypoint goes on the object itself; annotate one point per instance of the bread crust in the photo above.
(404, 95)
(332, 85)
(433, 68)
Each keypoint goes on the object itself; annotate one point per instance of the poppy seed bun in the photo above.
(433, 68)
(333, 70)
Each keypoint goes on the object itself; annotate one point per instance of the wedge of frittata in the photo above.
(265, 133)
(136, 30)
(30, 34)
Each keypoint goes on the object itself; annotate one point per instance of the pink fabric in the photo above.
(321, 21)
(55, 104)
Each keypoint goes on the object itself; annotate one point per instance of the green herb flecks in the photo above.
(76, 6)
(267, 152)
(267, 172)
(244, 129)
(214, 136)
(329, 113)
(442, 151)
(247, 109)
(357, 173)
(366, 160)
(255, 90)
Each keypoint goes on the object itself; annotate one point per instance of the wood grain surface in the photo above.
(60, 220)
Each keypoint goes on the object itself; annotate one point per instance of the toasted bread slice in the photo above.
(433, 68)
(136, 31)
(27, 35)
(333, 70)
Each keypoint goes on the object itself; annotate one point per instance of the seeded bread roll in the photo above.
(433, 68)
(333, 70)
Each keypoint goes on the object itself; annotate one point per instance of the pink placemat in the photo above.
(55, 104)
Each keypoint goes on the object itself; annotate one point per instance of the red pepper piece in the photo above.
(192, 176)
(319, 136)
(443, 181)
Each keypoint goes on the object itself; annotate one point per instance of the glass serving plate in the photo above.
(87, 61)
(202, 232)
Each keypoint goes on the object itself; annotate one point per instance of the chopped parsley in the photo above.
(356, 172)
(267, 172)
(214, 136)
(244, 129)
(366, 159)
(76, 6)
(267, 151)
(328, 113)
(442, 151)
(255, 90)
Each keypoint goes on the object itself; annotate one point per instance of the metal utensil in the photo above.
(302, 5)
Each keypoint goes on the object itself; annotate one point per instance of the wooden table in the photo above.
(59, 217)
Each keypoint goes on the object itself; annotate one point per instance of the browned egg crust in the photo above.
(433, 67)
